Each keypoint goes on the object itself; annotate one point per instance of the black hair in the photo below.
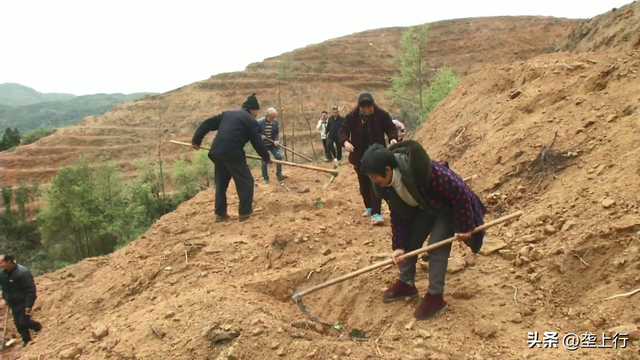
(5, 255)
(324, 112)
(376, 159)
(335, 109)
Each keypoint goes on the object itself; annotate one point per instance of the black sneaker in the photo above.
(244, 217)
(282, 177)
(221, 218)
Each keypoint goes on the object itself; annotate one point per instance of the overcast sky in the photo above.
(93, 46)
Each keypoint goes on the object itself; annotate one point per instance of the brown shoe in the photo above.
(430, 307)
(399, 290)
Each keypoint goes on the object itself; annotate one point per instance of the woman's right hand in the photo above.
(348, 146)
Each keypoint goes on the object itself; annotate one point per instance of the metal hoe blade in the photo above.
(297, 298)
(330, 181)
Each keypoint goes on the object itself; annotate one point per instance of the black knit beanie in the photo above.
(251, 103)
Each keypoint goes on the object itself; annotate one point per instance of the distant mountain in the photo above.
(12, 94)
(58, 111)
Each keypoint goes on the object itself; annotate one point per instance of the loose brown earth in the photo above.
(577, 244)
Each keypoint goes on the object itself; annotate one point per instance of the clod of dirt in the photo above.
(544, 217)
(456, 264)
(326, 252)
(492, 245)
(485, 329)
(470, 259)
(217, 335)
(524, 251)
(229, 354)
(535, 254)
(70, 353)
(507, 254)
(465, 294)
(423, 333)
(309, 325)
(550, 230)
(530, 239)
(608, 202)
(99, 331)
(516, 318)
(169, 314)
(300, 238)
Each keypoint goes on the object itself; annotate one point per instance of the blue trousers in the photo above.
(276, 153)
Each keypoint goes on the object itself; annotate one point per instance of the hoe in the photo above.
(297, 297)
(333, 172)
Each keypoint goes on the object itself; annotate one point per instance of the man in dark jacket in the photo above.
(425, 197)
(19, 291)
(235, 128)
(364, 126)
(333, 127)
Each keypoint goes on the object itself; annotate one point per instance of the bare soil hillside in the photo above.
(619, 31)
(327, 74)
(557, 136)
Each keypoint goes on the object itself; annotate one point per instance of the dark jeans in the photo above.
(325, 148)
(371, 201)
(335, 150)
(277, 154)
(423, 225)
(24, 323)
(238, 171)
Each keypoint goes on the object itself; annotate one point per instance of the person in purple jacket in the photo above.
(425, 198)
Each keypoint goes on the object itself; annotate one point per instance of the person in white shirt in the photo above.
(322, 127)
(401, 129)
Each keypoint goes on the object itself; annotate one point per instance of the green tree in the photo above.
(409, 87)
(18, 232)
(443, 82)
(10, 139)
(91, 210)
(192, 176)
(414, 90)
(83, 215)
(35, 135)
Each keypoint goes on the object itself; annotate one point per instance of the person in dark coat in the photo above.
(19, 292)
(425, 198)
(235, 128)
(364, 126)
(333, 128)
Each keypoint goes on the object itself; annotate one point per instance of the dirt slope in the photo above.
(577, 244)
(330, 73)
(619, 31)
